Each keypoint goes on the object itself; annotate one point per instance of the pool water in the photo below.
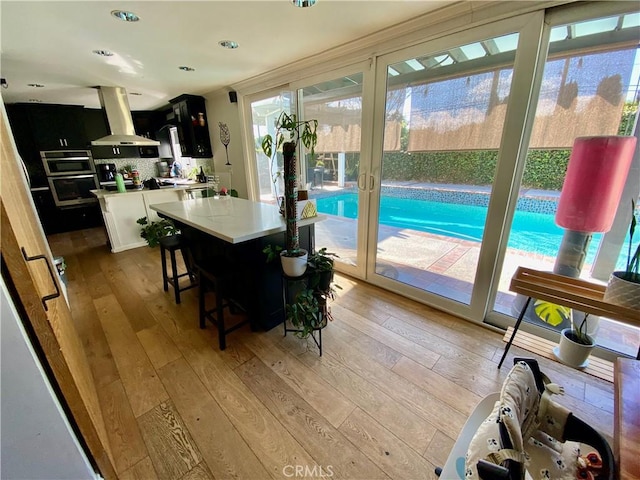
(530, 232)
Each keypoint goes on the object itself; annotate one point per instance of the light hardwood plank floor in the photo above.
(387, 399)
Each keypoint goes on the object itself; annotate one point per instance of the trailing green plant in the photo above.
(154, 231)
(307, 313)
(272, 252)
(632, 273)
(310, 309)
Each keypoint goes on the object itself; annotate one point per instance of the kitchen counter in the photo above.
(234, 220)
(237, 231)
(103, 192)
(120, 212)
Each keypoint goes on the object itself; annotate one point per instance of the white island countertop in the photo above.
(231, 219)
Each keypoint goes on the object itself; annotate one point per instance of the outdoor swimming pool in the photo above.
(531, 232)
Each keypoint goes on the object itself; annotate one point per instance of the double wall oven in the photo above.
(71, 175)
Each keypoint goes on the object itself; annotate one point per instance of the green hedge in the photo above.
(545, 168)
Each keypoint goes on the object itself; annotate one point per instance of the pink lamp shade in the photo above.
(596, 175)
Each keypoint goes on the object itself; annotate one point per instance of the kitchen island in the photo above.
(121, 210)
(238, 230)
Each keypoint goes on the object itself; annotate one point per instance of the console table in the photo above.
(570, 292)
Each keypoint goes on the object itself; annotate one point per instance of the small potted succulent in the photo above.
(624, 286)
(293, 258)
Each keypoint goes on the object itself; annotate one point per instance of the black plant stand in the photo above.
(290, 288)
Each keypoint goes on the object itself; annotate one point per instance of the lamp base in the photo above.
(572, 253)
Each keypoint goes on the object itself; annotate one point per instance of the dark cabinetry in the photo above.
(45, 127)
(190, 116)
(64, 219)
(56, 127)
(147, 123)
(107, 151)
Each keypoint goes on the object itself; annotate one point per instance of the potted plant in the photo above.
(310, 311)
(575, 343)
(624, 286)
(152, 232)
(294, 259)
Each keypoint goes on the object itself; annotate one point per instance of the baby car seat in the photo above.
(528, 433)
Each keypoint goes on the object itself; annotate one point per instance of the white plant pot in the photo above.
(622, 292)
(294, 266)
(572, 353)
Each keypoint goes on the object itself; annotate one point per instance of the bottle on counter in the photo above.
(120, 183)
(135, 176)
(202, 178)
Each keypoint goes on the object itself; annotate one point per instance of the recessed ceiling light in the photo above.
(304, 3)
(103, 53)
(186, 69)
(125, 16)
(35, 85)
(228, 44)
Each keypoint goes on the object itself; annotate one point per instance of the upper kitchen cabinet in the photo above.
(147, 123)
(56, 127)
(190, 116)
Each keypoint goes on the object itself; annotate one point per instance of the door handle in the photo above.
(42, 257)
(61, 142)
(372, 182)
(65, 142)
(362, 177)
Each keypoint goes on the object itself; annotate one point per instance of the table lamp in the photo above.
(596, 174)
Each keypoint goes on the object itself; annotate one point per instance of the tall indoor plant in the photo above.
(624, 285)
(289, 132)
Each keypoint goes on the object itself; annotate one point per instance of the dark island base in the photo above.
(254, 283)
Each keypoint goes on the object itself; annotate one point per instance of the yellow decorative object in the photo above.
(306, 209)
(551, 313)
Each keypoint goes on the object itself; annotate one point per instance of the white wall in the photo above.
(36, 439)
(220, 109)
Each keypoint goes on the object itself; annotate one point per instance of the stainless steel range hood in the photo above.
(116, 106)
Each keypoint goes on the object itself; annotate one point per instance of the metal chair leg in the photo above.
(515, 330)
(165, 281)
(174, 273)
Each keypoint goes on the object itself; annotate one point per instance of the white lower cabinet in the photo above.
(121, 211)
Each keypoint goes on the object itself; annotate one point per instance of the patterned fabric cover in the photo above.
(534, 439)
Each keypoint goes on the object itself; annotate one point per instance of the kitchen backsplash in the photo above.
(147, 166)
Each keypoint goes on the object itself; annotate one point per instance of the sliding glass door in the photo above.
(331, 175)
(439, 165)
(589, 88)
(437, 170)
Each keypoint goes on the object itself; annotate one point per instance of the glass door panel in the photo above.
(445, 114)
(331, 176)
(589, 88)
(268, 184)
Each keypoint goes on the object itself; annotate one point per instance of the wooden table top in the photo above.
(570, 292)
(626, 432)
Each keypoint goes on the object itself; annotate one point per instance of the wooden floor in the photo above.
(392, 390)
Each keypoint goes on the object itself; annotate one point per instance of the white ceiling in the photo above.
(51, 43)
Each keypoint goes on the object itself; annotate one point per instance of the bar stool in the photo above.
(214, 277)
(171, 244)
